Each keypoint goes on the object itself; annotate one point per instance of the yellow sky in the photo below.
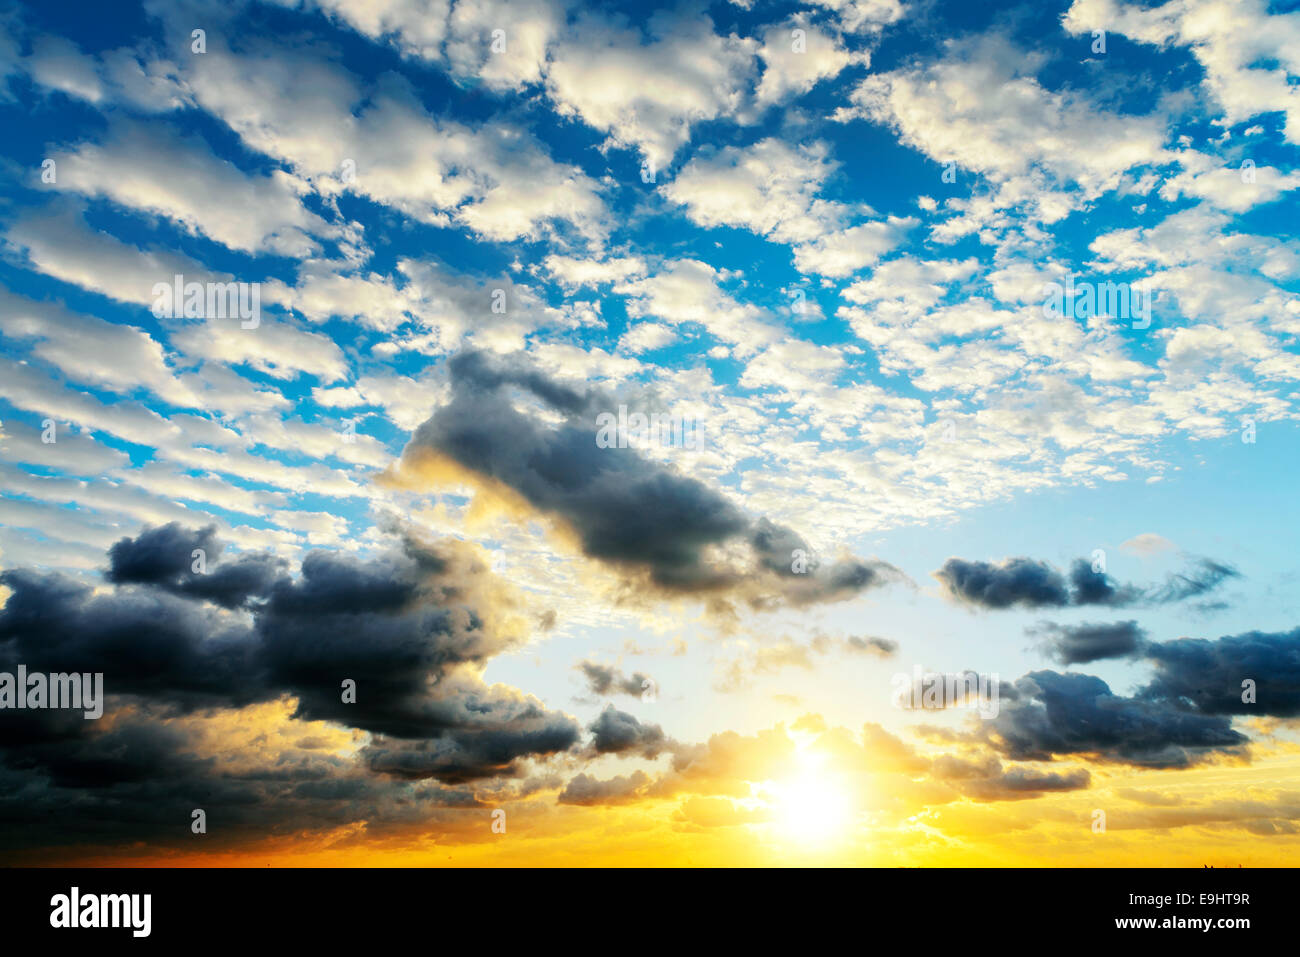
(800, 794)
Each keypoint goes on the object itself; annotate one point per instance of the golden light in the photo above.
(812, 806)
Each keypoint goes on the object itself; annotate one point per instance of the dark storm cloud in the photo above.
(411, 627)
(133, 786)
(1079, 644)
(1028, 583)
(395, 625)
(126, 753)
(1016, 581)
(146, 642)
(617, 732)
(1054, 715)
(652, 523)
(1093, 587)
(166, 557)
(1208, 675)
(507, 731)
(608, 680)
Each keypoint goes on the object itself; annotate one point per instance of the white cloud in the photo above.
(574, 272)
(845, 252)
(58, 64)
(58, 242)
(1236, 188)
(417, 26)
(134, 166)
(769, 188)
(999, 121)
(688, 291)
(647, 96)
(864, 16)
(646, 337)
(1148, 543)
(78, 345)
(406, 402)
(528, 27)
(278, 349)
(71, 452)
(495, 178)
(794, 65)
(1250, 56)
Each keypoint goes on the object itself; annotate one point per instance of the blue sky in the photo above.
(654, 191)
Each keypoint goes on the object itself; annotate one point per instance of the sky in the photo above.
(371, 580)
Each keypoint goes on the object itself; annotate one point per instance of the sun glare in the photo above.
(812, 806)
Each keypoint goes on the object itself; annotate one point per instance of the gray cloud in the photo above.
(1046, 714)
(584, 789)
(166, 558)
(987, 780)
(608, 680)
(1016, 581)
(1208, 675)
(871, 645)
(657, 527)
(1082, 643)
(617, 732)
(411, 627)
(1028, 583)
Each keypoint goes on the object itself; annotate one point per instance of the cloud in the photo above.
(1247, 53)
(1014, 581)
(132, 167)
(1210, 675)
(174, 558)
(769, 188)
(1079, 644)
(494, 178)
(842, 253)
(864, 16)
(790, 70)
(1034, 584)
(72, 453)
(1205, 576)
(411, 628)
(281, 350)
(987, 780)
(871, 645)
(583, 789)
(608, 680)
(598, 73)
(77, 344)
(57, 241)
(646, 337)
(617, 732)
(1001, 122)
(1148, 543)
(690, 291)
(663, 531)
(1046, 715)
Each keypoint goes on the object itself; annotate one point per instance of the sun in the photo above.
(812, 806)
